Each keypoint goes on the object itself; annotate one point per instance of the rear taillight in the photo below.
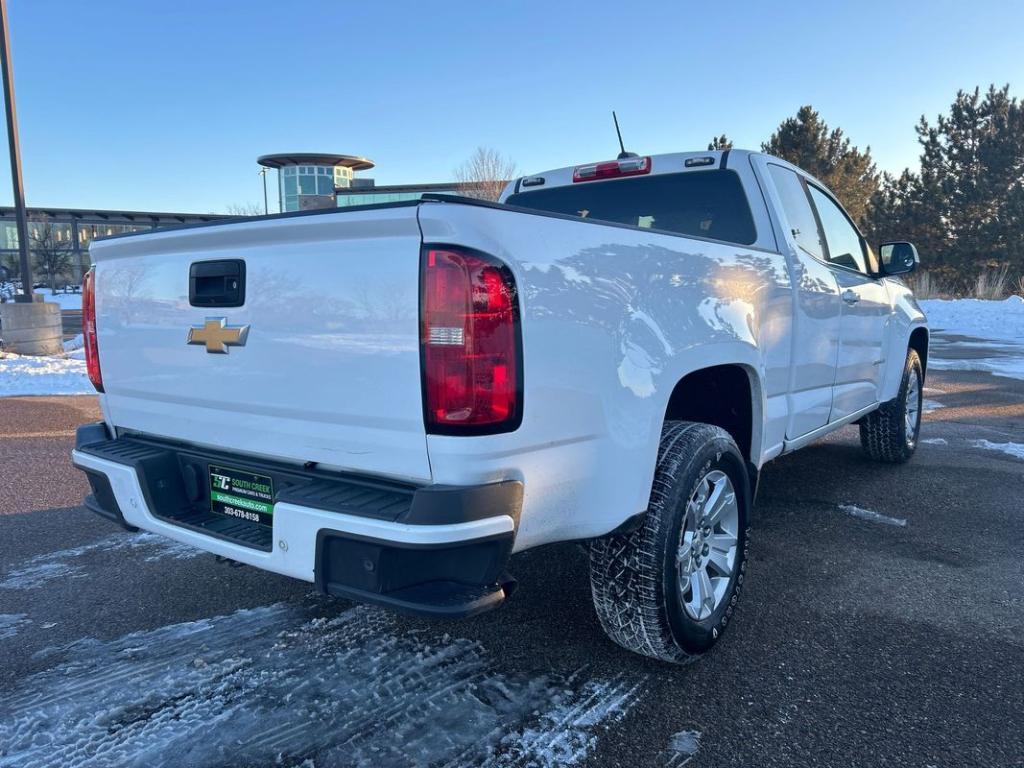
(92, 354)
(470, 341)
(613, 169)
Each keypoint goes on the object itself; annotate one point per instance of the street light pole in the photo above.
(12, 140)
(262, 172)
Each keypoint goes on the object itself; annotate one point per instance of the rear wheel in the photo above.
(890, 433)
(668, 589)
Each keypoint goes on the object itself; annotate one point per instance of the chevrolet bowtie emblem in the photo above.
(217, 335)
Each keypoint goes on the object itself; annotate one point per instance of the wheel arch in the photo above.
(727, 395)
(919, 343)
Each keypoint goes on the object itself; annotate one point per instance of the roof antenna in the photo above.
(623, 154)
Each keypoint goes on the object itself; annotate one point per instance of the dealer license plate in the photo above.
(241, 494)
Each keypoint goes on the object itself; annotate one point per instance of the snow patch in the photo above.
(76, 343)
(681, 748)
(65, 300)
(279, 685)
(935, 441)
(871, 515)
(1011, 367)
(42, 569)
(12, 623)
(996, 326)
(565, 734)
(927, 405)
(1013, 449)
(21, 375)
(999, 320)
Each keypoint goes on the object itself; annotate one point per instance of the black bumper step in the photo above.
(222, 527)
(174, 481)
(437, 599)
(450, 579)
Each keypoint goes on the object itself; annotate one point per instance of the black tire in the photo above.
(884, 434)
(634, 576)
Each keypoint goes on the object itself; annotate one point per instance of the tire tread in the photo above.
(882, 432)
(625, 569)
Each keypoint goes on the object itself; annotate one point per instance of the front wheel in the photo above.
(890, 433)
(668, 589)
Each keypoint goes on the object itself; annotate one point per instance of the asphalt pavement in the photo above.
(882, 624)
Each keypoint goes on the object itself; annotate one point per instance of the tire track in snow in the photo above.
(42, 569)
(565, 734)
(12, 623)
(282, 685)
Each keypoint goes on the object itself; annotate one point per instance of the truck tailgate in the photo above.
(330, 368)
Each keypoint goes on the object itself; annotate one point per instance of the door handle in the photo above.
(850, 296)
(217, 283)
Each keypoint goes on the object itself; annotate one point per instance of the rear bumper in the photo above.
(432, 550)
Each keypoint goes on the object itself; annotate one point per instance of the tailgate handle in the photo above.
(217, 283)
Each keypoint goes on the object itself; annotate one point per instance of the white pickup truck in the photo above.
(389, 401)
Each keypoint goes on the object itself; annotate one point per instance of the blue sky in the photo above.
(165, 106)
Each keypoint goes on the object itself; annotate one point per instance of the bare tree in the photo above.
(245, 209)
(484, 174)
(51, 245)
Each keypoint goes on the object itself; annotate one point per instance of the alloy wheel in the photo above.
(706, 556)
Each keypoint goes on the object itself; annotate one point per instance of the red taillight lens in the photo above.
(92, 353)
(470, 343)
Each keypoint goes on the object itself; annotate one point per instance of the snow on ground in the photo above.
(681, 749)
(871, 515)
(66, 300)
(281, 685)
(59, 375)
(11, 623)
(995, 330)
(1008, 362)
(1013, 449)
(42, 569)
(23, 375)
(72, 345)
(996, 320)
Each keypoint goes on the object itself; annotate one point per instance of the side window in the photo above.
(797, 208)
(845, 248)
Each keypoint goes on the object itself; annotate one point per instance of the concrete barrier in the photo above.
(31, 329)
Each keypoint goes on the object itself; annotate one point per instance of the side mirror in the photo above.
(898, 258)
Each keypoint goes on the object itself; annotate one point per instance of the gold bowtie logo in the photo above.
(217, 335)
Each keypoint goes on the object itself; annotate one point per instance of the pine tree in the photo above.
(976, 156)
(964, 208)
(720, 142)
(807, 142)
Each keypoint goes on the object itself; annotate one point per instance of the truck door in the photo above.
(816, 308)
(865, 310)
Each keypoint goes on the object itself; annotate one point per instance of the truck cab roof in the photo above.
(712, 195)
(651, 165)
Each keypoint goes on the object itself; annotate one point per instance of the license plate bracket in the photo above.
(241, 494)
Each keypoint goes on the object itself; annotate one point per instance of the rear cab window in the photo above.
(708, 204)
